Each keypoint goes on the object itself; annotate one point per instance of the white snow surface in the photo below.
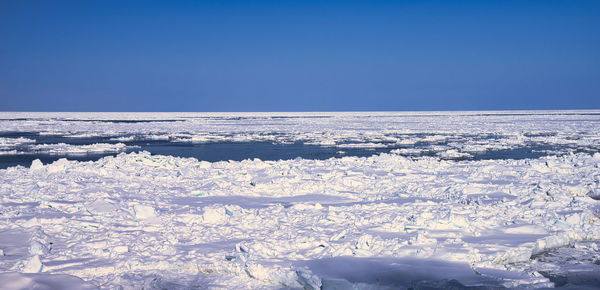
(161, 222)
(137, 215)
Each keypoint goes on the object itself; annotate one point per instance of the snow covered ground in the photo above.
(388, 221)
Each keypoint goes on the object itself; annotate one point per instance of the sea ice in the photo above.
(386, 220)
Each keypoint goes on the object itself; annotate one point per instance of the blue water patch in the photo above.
(237, 151)
(217, 151)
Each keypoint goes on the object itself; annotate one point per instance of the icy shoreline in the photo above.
(137, 219)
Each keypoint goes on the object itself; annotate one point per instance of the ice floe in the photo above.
(261, 224)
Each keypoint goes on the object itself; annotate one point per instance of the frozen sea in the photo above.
(313, 200)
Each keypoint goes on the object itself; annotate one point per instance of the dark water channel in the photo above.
(220, 151)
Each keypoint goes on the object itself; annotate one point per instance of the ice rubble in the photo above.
(258, 224)
(8, 146)
(22, 146)
(63, 148)
(11, 143)
(451, 134)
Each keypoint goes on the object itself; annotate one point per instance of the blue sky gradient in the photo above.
(298, 55)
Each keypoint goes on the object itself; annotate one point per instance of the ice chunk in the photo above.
(33, 265)
(204, 164)
(144, 211)
(58, 166)
(594, 193)
(36, 248)
(339, 235)
(36, 164)
(454, 154)
(516, 255)
(102, 206)
(364, 242)
(308, 280)
(121, 249)
(32, 222)
(215, 215)
(577, 190)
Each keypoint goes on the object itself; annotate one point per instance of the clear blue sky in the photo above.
(298, 55)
